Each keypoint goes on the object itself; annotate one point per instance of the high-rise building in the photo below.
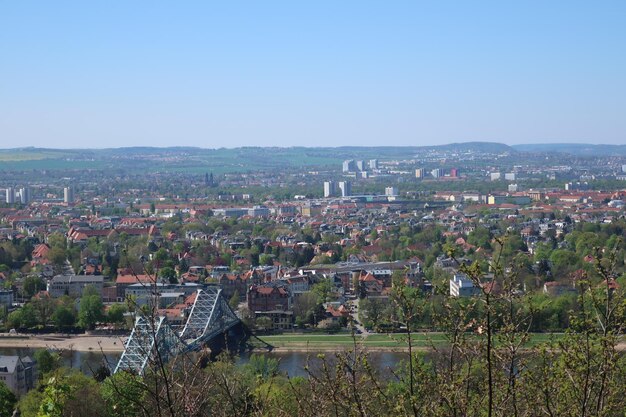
(68, 195)
(360, 165)
(454, 172)
(391, 191)
(374, 164)
(346, 188)
(419, 173)
(24, 195)
(349, 165)
(10, 195)
(437, 172)
(509, 176)
(330, 188)
(495, 176)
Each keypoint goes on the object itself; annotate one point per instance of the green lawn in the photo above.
(420, 340)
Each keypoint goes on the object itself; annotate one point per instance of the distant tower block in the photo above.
(330, 188)
(419, 173)
(24, 195)
(349, 165)
(346, 188)
(68, 195)
(373, 163)
(10, 195)
(391, 191)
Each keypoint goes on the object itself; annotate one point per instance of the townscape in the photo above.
(325, 249)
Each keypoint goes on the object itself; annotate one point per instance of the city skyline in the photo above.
(278, 74)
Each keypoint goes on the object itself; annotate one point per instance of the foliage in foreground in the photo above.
(485, 369)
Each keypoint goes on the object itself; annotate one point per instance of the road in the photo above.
(354, 313)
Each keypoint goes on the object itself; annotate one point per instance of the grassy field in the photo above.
(378, 341)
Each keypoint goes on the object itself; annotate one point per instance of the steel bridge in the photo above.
(154, 340)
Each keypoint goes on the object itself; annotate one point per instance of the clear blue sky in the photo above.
(319, 73)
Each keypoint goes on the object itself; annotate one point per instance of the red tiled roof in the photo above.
(134, 279)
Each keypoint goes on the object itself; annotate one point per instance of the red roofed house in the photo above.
(267, 298)
(40, 255)
(123, 281)
(370, 285)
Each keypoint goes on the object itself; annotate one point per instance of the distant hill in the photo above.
(194, 159)
(485, 147)
(579, 149)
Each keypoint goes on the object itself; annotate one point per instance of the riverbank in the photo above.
(278, 343)
(79, 343)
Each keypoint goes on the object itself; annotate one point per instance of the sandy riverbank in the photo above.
(81, 343)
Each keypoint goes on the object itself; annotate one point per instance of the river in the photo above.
(289, 363)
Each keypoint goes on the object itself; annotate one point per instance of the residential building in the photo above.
(6, 298)
(374, 164)
(234, 283)
(462, 286)
(267, 298)
(437, 173)
(281, 320)
(73, 285)
(360, 165)
(330, 188)
(510, 176)
(346, 188)
(508, 199)
(125, 279)
(19, 374)
(68, 195)
(258, 211)
(391, 191)
(420, 173)
(24, 195)
(495, 176)
(297, 285)
(10, 195)
(349, 165)
(151, 294)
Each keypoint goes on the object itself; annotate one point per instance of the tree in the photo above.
(123, 394)
(322, 290)
(304, 305)
(169, 274)
(481, 237)
(14, 320)
(7, 401)
(234, 301)
(32, 285)
(58, 256)
(71, 393)
(266, 259)
(64, 317)
(115, 313)
(371, 312)
(24, 318)
(263, 323)
(46, 361)
(45, 307)
(90, 312)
